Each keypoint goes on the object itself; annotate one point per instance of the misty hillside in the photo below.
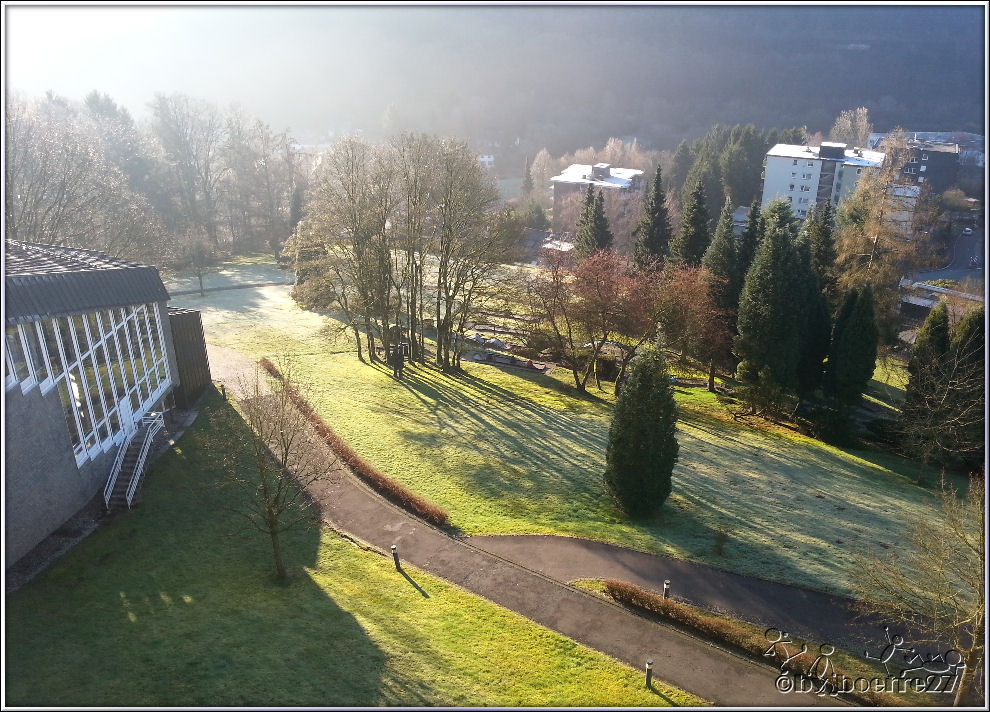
(566, 77)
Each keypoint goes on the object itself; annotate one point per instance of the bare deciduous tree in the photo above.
(191, 134)
(937, 586)
(287, 458)
(852, 127)
(62, 188)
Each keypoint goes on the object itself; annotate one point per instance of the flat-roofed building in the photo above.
(810, 175)
(572, 184)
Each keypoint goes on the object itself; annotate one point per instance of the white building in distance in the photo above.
(575, 179)
(809, 175)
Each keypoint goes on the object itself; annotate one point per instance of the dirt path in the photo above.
(718, 675)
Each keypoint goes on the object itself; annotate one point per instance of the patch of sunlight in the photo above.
(166, 599)
(187, 598)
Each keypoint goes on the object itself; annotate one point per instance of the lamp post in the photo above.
(649, 672)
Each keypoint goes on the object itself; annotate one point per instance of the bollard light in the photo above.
(649, 672)
(666, 588)
(395, 556)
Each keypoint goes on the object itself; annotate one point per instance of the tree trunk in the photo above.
(277, 551)
(711, 375)
(371, 340)
(357, 339)
(202, 292)
(969, 672)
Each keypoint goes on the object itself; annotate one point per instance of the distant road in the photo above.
(965, 247)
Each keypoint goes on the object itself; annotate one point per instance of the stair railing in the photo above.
(155, 423)
(115, 470)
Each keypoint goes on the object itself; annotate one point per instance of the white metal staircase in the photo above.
(128, 467)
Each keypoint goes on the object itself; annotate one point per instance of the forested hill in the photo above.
(571, 76)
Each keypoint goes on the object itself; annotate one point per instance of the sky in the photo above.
(321, 67)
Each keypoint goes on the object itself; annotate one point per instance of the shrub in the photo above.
(380, 482)
(722, 630)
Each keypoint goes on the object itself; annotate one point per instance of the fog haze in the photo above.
(556, 76)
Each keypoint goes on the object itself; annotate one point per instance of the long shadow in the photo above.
(657, 692)
(415, 585)
(179, 587)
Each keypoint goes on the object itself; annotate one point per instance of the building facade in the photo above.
(87, 353)
(570, 187)
(808, 175)
(943, 159)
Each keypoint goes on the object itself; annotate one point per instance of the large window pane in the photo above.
(51, 348)
(147, 350)
(124, 359)
(114, 422)
(93, 388)
(156, 337)
(82, 408)
(81, 340)
(16, 351)
(68, 410)
(37, 357)
(94, 328)
(65, 335)
(135, 341)
(106, 378)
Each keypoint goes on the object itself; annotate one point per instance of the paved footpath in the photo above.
(723, 677)
(799, 611)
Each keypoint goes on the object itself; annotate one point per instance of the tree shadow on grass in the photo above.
(188, 615)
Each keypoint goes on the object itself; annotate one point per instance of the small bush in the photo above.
(724, 631)
(380, 482)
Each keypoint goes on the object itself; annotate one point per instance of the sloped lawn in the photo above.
(175, 604)
(508, 451)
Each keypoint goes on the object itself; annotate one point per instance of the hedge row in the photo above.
(384, 485)
(727, 632)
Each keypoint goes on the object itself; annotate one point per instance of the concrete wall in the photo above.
(43, 487)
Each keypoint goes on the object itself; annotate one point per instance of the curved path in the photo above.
(799, 611)
(724, 677)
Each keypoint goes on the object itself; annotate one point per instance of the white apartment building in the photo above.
(809, 175)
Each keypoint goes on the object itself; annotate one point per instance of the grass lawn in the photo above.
(175, 604)
(240, 270)
(508, 451)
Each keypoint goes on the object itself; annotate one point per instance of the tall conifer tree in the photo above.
(768, 324)
(527, 183)
(720, 261)
(814, 322)
(749, 241)
(654, 232)
(604, 240)
(690, 244)
(852, 357)
(584, 239)
(642, 448)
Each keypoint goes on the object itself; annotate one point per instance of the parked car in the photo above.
(967, 231)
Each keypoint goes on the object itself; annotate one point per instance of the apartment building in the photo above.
(810, 175)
